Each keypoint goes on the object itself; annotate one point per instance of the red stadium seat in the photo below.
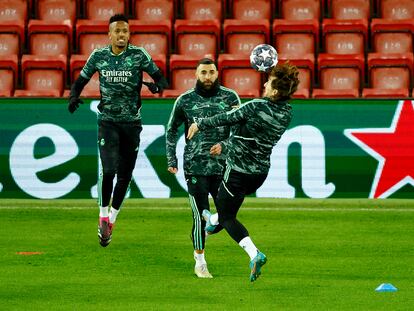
(38, 93)
(9, 44)
(301, 9)
(392, 36)
(243, 81)
(384, 93)
(302, 93)
(197, 44)
(197, 38)
(6, 83)
(251, 10)
(154, 10)
(397, 9)
(182, 69)
(102, 10)
(49, 37)
(335, 93)
(354, 61)
(306, 67)
(154, 43)
(397, 42)
(339, 75)
(91, 35)
(13, 10)
(57, 10)
(8, 73)
(89, 42)
(91, 89)
(295, 37)
(305, 79)
(172, 93)
(350, 9)
(44, 73)
(160, 61)
(155, 36)
(183, 79)
(237, 74)
(344, 36)
(202, 9)
(390, 71)
(12, 37)
(94, 34)
(340, 78)
(241, 36)
(75, 65)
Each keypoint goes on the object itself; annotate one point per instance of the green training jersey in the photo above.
(187, 107)
(260, 124)
(120, 80)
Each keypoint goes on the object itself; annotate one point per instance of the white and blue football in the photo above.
(263, 57)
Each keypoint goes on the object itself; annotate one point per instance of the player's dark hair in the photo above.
(118, 18)
(286, 80)
(206, 61)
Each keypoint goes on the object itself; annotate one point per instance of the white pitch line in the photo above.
(298, 209)
(274, 209)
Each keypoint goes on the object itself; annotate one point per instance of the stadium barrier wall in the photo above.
(332, 149)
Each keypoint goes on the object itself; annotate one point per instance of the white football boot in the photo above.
(202, 272)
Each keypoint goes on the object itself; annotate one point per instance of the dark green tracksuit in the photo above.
(258, 126)
(119, 117)
(203, 172)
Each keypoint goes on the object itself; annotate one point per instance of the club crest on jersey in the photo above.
(193, 180)
(128, 62)
(102, 142)
(222, 105)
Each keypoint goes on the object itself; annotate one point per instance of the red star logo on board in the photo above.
(393, 147)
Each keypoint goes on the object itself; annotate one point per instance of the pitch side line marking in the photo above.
(276, 209)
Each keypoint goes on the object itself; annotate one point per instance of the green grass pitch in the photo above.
(322, 255)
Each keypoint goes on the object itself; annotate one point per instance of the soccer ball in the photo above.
(263, 57)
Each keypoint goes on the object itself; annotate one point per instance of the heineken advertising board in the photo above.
(332, 149)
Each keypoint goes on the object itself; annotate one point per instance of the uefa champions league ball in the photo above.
(263, 57)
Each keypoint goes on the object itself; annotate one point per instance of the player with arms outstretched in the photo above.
(261, 123)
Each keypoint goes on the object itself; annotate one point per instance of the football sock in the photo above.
(200, 259)
(249, 247)
(103, 211)
(214, 219)
(112, 215)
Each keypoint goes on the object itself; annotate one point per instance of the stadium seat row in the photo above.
(206, 9)
(333, 54)
(338, 75)
(212, 37)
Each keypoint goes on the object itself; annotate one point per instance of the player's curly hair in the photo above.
(286, 80)
(118, 18)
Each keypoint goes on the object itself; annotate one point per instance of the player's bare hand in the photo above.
(192, 130)
(173, 170)
(216, 150)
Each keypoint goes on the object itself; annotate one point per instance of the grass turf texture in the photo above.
(322, 255)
